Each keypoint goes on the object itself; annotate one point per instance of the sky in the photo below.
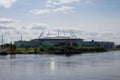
(89, 19)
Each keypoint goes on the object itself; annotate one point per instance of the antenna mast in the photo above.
(58, 32)
(64, 32)
(2, 39)
(21, 37)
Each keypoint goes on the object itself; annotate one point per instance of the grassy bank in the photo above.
(85, 49)
(49, 49)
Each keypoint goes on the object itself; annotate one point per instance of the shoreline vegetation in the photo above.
(60, 50)
(12, 49)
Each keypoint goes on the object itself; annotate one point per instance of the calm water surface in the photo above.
(93, 66)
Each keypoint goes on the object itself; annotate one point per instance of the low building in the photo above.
(106, 45)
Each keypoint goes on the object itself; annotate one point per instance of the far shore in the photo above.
(57, 50)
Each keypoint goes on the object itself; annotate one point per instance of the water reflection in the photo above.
(51, 67)
(13, 56)
(3, 57)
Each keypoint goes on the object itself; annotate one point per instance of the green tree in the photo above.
(41, 49)
(118, 46)
(51, 48)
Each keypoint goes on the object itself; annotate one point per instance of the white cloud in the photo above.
(33, 30)
(7, 28)
(7, 20)
(89, 2)
(63, 6)
(67, 1)
(53, 6)
(63, 9)
(53, 3)
(11, 29)
(7, 3)
(38, 26)
(40, 11)
(13, 32)
(8, 25)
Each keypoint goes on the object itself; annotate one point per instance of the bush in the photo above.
(50, 48)
(42, 49)
(92, 49)
(118, 46)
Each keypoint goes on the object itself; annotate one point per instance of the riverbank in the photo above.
(58, 50)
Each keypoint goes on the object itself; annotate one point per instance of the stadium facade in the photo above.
(62, 40)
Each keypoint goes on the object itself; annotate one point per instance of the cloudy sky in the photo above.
(88, 19)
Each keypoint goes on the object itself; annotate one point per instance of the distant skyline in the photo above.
(89, 19)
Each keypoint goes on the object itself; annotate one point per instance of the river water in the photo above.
(91, 66)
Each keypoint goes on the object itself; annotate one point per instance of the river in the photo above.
(89, 66)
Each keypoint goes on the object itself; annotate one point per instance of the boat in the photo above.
(3, 52)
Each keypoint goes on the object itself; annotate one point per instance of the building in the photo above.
(48, 41)
(62, 40)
